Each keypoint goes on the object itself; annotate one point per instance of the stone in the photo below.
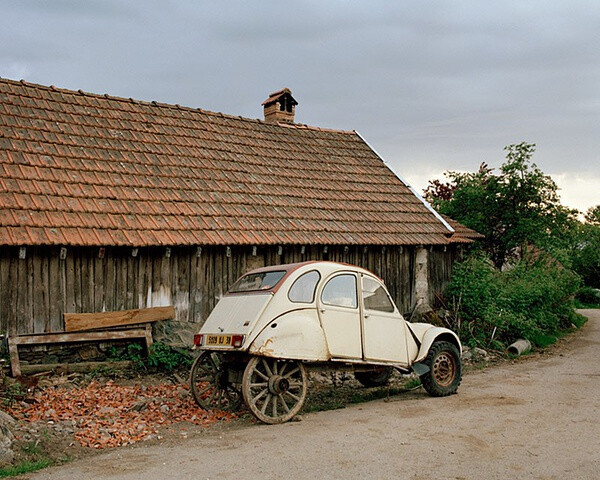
(89, 352)
(175, 334)
(49, 359)
(140, 405)
(480, 351)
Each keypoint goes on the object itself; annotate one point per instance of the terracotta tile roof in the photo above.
(85, 169)
(462, 234)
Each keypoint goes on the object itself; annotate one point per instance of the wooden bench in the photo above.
(80, 328)
(46, 338)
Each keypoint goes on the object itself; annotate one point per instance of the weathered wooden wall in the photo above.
(37, 290)
(440, 263)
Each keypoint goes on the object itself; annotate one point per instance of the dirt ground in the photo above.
(535, 418)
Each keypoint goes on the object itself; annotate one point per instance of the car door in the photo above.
(340, 315)
(384, 329)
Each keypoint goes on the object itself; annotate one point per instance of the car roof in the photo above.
(291, 267)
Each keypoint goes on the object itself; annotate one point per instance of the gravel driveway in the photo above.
(538, 418)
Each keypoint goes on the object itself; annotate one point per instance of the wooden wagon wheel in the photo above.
(210, 385)
(274, 389)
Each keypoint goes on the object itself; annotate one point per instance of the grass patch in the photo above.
(542, 340)
(579, 320)
(26, 466)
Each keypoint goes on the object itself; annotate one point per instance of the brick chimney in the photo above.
(280, 107)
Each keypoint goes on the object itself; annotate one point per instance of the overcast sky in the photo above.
(431, 85)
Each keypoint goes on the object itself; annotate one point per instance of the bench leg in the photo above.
(15, 365)
(148, 337)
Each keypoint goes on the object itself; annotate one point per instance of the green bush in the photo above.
(493, 308)
(161, 357)
(167, 359)
(588, 296)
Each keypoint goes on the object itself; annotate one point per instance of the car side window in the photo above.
(375, 297)
(303, 289)
(340, 291)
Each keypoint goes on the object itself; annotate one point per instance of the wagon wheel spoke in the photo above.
(292, 395)
(261, 384)
(261, 375)
(267, 368)
(289, 374)
(266, 404)
(280, 396)
(260, 395)
(205, 389)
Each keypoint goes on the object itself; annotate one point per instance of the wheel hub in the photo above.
(278, 385)
(444, 369)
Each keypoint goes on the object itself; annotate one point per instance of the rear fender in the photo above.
(294, 335)
(436, 334)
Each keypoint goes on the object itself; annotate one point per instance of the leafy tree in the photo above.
(586, 248)
(592, 216)
(514, 208)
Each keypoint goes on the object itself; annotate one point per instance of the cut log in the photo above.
(77, 322)
(75, 367)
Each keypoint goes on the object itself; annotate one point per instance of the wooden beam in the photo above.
(77, 337)
(74, 367)
(76, 322)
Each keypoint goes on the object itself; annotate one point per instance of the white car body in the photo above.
(366, 329)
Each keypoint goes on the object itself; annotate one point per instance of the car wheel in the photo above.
(274, 390)
(375, 378)
(445, 370)
(209, 383)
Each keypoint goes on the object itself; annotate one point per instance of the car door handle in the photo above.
(322, 310)
(366, 315)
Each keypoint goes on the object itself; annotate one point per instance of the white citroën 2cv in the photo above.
(275, 320)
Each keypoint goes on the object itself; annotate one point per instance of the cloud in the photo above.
(433, 86)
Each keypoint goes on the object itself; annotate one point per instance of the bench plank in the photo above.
(76, 322)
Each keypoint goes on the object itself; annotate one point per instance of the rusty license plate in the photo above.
(218, 340)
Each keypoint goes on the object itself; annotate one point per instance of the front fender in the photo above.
(431, 335)
(294, 335)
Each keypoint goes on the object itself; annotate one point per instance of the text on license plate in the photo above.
(218, 340)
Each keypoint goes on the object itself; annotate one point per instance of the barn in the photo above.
(112, 204)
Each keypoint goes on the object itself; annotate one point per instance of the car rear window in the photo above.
(258, 281)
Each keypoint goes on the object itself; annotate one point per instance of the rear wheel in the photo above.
(274, 390)
(445, 370)
(374, 378)
(209, 383)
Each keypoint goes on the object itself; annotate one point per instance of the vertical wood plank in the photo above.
(39, 280)
(71, 306)
(56, 300)
(23, 321)
(4, 298)
(99, 264)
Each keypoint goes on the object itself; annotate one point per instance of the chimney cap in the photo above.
(275, 96)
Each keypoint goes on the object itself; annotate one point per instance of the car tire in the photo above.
(374, 378)
(445, 369)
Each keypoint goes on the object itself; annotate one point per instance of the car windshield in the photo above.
(258, 281)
